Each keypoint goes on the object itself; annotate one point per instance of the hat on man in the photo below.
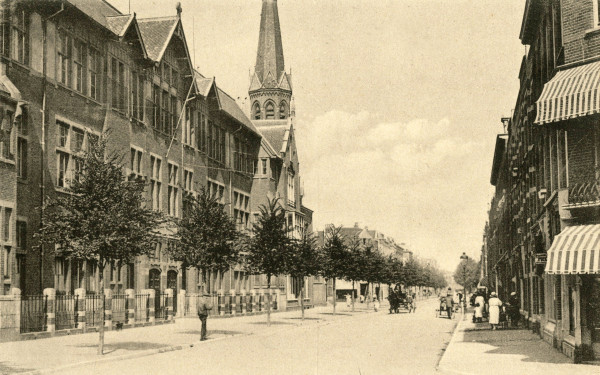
(513, 294)
(493, 294)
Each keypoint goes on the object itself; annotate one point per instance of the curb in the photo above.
(444, 369)
(173, 348)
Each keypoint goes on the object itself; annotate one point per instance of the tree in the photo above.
(269, 246)
(354, 267)
(334, 256)
(467, 274)
(102, 217)
(303, 261)
(207, 235)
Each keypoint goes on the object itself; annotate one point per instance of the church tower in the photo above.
(270, 87)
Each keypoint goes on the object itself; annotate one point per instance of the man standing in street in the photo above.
(204, 306)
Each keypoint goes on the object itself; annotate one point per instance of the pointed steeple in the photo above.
(269, 57)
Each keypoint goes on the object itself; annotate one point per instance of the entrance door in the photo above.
(172, 284)
(154, 283)
(590, 297)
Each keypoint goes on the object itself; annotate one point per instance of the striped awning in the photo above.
(575, 250)
(571, 93)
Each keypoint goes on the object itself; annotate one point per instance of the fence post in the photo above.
(169, 304)
(16, 294)
(221, 302)
(81, 319)
(253, 294)
(108, 309)
(130, 295)
(243, 301)
(274, 304)
(151, 306)
(181, 304)
(50, 295)
(233, 303)
(262, 300)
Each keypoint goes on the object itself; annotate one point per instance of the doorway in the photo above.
(172, 284)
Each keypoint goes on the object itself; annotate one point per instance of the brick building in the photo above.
(542, 236)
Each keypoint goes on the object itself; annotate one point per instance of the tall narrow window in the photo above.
(63, 168)
(21, 37)
(137, 96)
(64, 58)
(6, 224)
(562, 158)
(256, 111)
(22, 157)
(22, 235)
(93, 73)
(155, 182)
(7, 262)
(173, 190)
(283, 110)
(269, 111)
(4, 31)
(79, 54)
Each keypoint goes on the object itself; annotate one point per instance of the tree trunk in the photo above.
(352, 295)
(334, 296)
(268, 300)
(302, 298)
(101, 291)
(369, 294)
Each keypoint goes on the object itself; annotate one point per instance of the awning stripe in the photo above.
(571, 93)
(575, 250)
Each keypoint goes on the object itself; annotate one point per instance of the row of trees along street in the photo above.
(104, 217)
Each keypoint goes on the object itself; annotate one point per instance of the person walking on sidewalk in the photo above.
(495, 305)
(513, 309)
(204, 306)
(479, 306)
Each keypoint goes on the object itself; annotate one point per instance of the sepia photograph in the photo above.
(300, 187)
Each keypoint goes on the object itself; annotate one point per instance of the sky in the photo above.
(398, 103)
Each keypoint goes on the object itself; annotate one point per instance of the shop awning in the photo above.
(575, 250)
(571, 93)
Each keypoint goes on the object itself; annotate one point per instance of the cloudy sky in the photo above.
(398, 103)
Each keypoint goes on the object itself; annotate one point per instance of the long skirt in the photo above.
(494, 314)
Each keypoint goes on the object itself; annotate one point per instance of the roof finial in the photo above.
(178, 7)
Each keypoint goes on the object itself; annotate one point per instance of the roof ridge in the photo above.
(112, 6)
(162, 18)
(120, 15)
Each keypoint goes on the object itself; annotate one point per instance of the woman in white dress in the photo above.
(495, 305)
(479, 306)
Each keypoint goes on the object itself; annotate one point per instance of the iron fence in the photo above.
(160, 306)
(142, 307)
(94, 312)
(66, 311)
(119, 308)
(33, 313)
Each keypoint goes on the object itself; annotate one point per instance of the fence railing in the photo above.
(230, 303)
(66, 311)
(93, 310)
(142, 307)
(119, 308)
(33, 313)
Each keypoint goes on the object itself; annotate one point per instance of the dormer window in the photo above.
(270, 111)
(256, 111)
(283, 110)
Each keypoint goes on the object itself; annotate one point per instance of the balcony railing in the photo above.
(585, 193)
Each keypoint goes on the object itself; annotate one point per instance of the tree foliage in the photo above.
(467, 273)
(208, 238)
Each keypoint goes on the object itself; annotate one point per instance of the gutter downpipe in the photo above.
(43, 138)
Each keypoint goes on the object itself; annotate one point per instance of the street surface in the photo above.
(376, 343)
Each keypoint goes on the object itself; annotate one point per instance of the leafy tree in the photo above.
(354, 269)
(334, 256)
(467, 274)
(101, 218)
(303, 261)
(270, 246)
(207, 235)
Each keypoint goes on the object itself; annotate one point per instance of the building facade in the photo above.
(541, 240)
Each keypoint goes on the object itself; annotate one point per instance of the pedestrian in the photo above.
(376, 304)
(513, 309)
(479, 306)
(495, 304)
(204, 306)
(348, 300)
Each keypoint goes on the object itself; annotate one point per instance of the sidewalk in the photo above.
(475, 349)
(50, 355)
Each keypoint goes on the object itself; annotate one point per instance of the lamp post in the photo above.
(464, 257)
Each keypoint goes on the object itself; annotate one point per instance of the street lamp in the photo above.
(464, 257)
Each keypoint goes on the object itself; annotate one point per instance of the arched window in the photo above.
(256, 111)
(269, 111)
(283, 110)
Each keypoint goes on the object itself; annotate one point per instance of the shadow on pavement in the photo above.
(127, 345)
(300, 318)
(214, 332)
(514, 342)
(329, 313)
(8, 369)
(272, 323)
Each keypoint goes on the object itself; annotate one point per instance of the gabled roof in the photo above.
(275, 136)
(285, 82)
(255, 83)
(229, 106)
(268, 148)
(97, 10)
(203, 84)
(119, 24)
(157, 33)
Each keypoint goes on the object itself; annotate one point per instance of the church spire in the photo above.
(269, 58)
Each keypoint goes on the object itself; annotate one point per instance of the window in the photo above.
(563, 161)
(94, 64)
(5, 142)
(164, 110)
(173, 112)
(209, 138)
(557, 298)
(6, 224)
(64, 58)
(135, 163)
(22, 157)
(4, 31)
(7, 264)
(130, 276)
(137, 96)
(77, 140)
(256, 111)
(79, 54)
(21, 235)
(291, 189)
(188, 181)
(118, 84)
(21, 37)
(155, 182)
(187, 130)
(202, 125)
(217, 191)
(63, 167)
(283, 110)
(269, 111)
(63, 134)
(173, 190)
(263, 166)
(156, 110)
(241, 210)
